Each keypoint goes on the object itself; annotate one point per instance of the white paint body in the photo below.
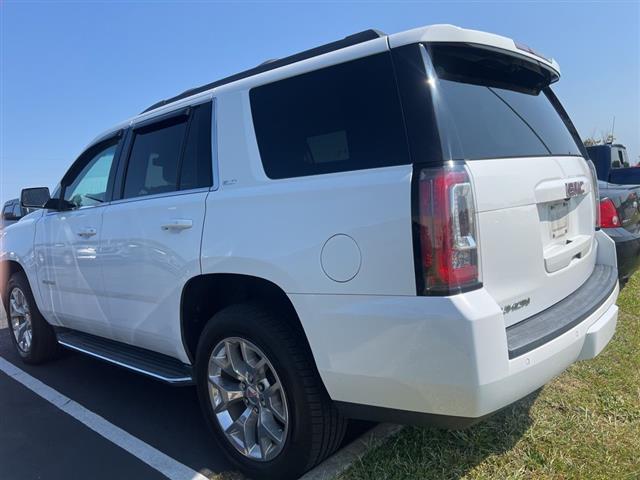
(340, 246)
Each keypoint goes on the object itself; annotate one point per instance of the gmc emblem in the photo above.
(574, 189)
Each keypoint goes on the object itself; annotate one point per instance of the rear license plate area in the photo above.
(558, 215)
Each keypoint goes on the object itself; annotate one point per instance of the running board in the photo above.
(156, 365)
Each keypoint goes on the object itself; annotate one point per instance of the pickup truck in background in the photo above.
(620, 219)
(12, 211)
(612, 164)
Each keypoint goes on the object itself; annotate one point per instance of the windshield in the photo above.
(492, 105)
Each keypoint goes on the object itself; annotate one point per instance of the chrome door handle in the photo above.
(177, 224)
(87, 232)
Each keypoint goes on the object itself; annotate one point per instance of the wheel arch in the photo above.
(7, 268)
(205, 295)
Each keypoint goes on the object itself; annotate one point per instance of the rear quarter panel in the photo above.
(276, 229)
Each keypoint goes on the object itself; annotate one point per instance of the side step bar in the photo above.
(153, 364)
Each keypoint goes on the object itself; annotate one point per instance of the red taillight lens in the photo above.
(608, 214)
(595, 193)
(446, 231)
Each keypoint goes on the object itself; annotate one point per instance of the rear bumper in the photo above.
(548, 324)
(440, 360)
(627, 251)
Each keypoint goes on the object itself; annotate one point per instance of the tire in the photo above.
(43, 345)
(314, 428)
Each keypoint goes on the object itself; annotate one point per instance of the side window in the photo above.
(340, 118)
(616, 158)
(195, 171)
(89, 186)
(621, 157)
(17, 210)
(154, 158)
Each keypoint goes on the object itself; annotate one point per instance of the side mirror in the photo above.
(34, 197)
(9, 216)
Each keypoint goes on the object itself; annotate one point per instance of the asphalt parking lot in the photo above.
(40, 441)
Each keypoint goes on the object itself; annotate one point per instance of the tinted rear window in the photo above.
(195, 171)
(490, 105)
(153, 162)
(340, 118)
(161, 162)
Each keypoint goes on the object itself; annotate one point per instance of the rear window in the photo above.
(161, 162)
(195, 171)
(340, 118)
(153, 162)
(492, 105)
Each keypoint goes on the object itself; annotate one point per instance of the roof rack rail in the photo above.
(348, 41)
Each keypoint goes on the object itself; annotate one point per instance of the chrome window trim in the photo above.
(159, 195)
(73, 210)
(215, 173)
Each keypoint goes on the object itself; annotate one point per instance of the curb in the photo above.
(347, 456)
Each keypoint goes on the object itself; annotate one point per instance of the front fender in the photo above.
(17, 249)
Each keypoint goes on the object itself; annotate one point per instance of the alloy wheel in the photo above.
(248, 399)
(20, 316)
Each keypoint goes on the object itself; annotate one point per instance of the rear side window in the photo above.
(153, 163)
(195, 171)
(340, 118)
(171, 155)
(491, 105)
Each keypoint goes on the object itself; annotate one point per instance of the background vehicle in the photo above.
(12, 211)
(612, 164)
(620, 219)
(330, 235)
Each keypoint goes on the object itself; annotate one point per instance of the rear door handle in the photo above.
(177, 224)
(87, 232)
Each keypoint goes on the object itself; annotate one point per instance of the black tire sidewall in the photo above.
(41, 332)
(294, 458)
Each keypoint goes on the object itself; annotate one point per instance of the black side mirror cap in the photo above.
(58, 204)
(34, 197)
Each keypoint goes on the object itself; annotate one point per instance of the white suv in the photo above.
(398, 228)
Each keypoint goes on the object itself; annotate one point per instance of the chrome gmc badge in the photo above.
(574, 189)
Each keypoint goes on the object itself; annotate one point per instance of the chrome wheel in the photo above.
(248, 399)
(20, 316)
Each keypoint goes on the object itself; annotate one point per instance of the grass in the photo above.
(585, 424)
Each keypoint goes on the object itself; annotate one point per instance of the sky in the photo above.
(70, 69)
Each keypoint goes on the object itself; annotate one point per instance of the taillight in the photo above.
(446, 234)
(608, 214)
(595, 191)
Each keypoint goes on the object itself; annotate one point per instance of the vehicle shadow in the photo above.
(174, 424)
(167, 418)
(424, 452)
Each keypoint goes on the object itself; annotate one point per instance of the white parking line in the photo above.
(164, 464)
